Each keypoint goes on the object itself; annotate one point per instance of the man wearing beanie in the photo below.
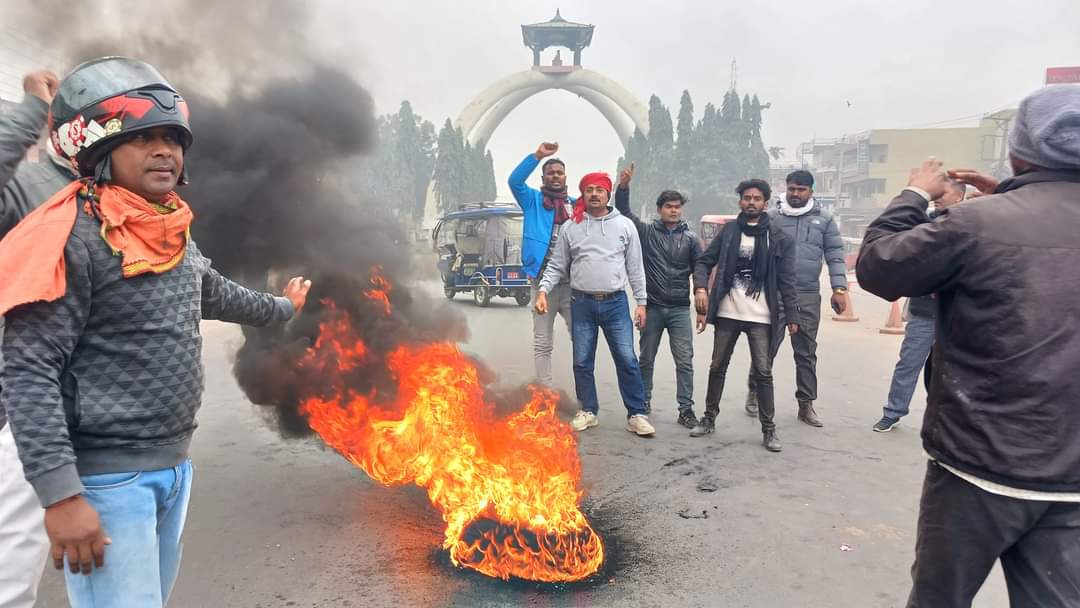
(1002, 425)
(600, 251)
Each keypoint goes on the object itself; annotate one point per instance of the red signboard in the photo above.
(1063, 75)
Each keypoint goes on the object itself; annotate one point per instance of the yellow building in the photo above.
(868, 169)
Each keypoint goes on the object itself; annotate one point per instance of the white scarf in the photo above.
(788, 210)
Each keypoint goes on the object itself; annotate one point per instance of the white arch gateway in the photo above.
(483, 115)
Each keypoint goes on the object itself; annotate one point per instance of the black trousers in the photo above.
(759, 335)
(963, 530)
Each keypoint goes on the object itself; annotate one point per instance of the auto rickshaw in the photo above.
(709, 227)
(479, 250)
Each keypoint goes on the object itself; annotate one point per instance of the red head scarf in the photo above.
(592, 179)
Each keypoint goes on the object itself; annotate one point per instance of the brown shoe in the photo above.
(808, 415)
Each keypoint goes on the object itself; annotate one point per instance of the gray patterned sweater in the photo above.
(108, 378)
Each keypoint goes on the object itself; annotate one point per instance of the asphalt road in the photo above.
(716, 521)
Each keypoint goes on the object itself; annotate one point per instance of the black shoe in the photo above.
(808, 415)
(704, 426)
(751, 404)
(688, 419)
(886, 424)
(771, 441)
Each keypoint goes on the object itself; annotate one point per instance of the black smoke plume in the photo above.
(277, 131)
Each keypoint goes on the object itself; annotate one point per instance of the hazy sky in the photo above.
(900, 64)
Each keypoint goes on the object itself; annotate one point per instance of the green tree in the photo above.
(684, 144)
(450, 169)
(759, 156)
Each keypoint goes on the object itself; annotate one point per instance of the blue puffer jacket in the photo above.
(536, 233)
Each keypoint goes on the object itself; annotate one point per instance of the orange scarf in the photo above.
(149, 237)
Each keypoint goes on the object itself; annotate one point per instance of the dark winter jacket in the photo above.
(1004, 391)
(817, 238)
(670, 256)
(24, 186)
(779, 281)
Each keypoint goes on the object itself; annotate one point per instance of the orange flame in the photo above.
(507, 488)
(381, 293)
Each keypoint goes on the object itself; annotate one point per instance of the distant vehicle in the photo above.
(709, 227)
(479, 251)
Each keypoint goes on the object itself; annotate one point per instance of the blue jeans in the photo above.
(918, 340)
(143, 513)
(676, 320)
(611, 314)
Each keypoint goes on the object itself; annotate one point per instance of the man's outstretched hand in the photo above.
(297, 291)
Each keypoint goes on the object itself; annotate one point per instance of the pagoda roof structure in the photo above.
(557, 32)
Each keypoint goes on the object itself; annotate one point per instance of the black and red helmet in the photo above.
(103, 101)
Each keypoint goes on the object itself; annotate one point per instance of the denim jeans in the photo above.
(724, 339)
(612, 315)
(675, 319)
(544, 328)
(918, 340)
(143, 512)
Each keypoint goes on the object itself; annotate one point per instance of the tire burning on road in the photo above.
(507, 486)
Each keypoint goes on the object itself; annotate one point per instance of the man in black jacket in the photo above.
(670, 250)
(1002, 425)
(755, 271)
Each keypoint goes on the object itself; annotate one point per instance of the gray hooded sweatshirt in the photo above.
(601, 254)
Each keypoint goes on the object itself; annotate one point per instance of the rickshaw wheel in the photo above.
(522, 298)
(481, 295)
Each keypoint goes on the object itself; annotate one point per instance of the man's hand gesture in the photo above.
(930, 178)
(42, 84)
(626, 175)
(984, 184)
(546, 149)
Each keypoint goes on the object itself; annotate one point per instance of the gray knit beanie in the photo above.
(1047, 129)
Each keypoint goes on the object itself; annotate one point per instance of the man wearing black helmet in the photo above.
(23, 186)
(103, 296)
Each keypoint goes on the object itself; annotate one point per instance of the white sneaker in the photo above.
(583, 420)
(639, 425)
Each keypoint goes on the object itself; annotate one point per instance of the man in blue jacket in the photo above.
(545, 212)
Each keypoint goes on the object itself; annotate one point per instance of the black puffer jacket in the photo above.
(1004, 392)
(670, 256)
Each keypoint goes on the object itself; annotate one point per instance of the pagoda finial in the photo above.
(558, 16)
